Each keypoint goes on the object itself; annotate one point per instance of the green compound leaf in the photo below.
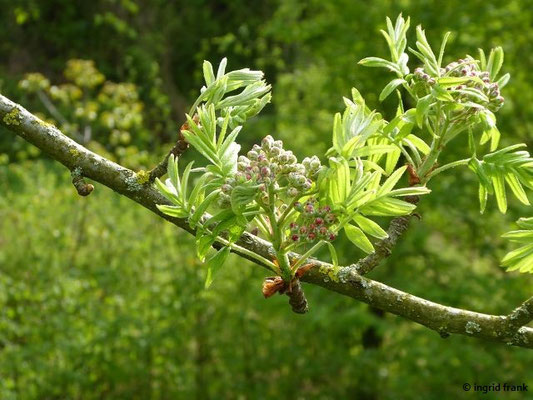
(520, 259)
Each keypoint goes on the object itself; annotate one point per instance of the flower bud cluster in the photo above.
(423, 76)
(468, 67)
(314, 223)
(270, 163)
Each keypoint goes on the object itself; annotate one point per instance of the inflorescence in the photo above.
(314, 223)
(467, 67)
(269, 164)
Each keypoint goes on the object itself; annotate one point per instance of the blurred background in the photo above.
(100, 299)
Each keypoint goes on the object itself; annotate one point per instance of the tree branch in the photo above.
(445, 320)
(521, 315)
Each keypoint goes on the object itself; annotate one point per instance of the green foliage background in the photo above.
(100, 299)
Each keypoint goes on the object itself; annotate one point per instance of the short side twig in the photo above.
(83, 188)
(521, 315)
(179, 148)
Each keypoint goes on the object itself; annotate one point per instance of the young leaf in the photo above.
(202, 208)
(387, 90)
(379, 62)
(495, 62)
(387, 207)
(358, 238)
(370, 227)
(214, 264)
(422, 109)
(391, 181)
(499, 191)
(209, 76)
(173, 211)
(203, 244)
(333, 254)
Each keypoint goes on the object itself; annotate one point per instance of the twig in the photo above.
(521, 315)
(179, 148)
(83, 188)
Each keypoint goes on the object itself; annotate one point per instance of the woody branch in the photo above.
(345, 280)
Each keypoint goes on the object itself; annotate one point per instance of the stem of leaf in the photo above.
(454, 164)
(307, 254)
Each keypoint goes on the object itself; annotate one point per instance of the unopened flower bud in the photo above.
(292, 192)
(300, 180)
(226, 188)
(275, 151)
(330, 219)
(267, 142)
(284, 158)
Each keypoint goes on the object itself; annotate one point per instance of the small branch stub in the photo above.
(82, 187)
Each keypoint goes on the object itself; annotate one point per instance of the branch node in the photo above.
(520, 316)
(179, 148)
(82, 187)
